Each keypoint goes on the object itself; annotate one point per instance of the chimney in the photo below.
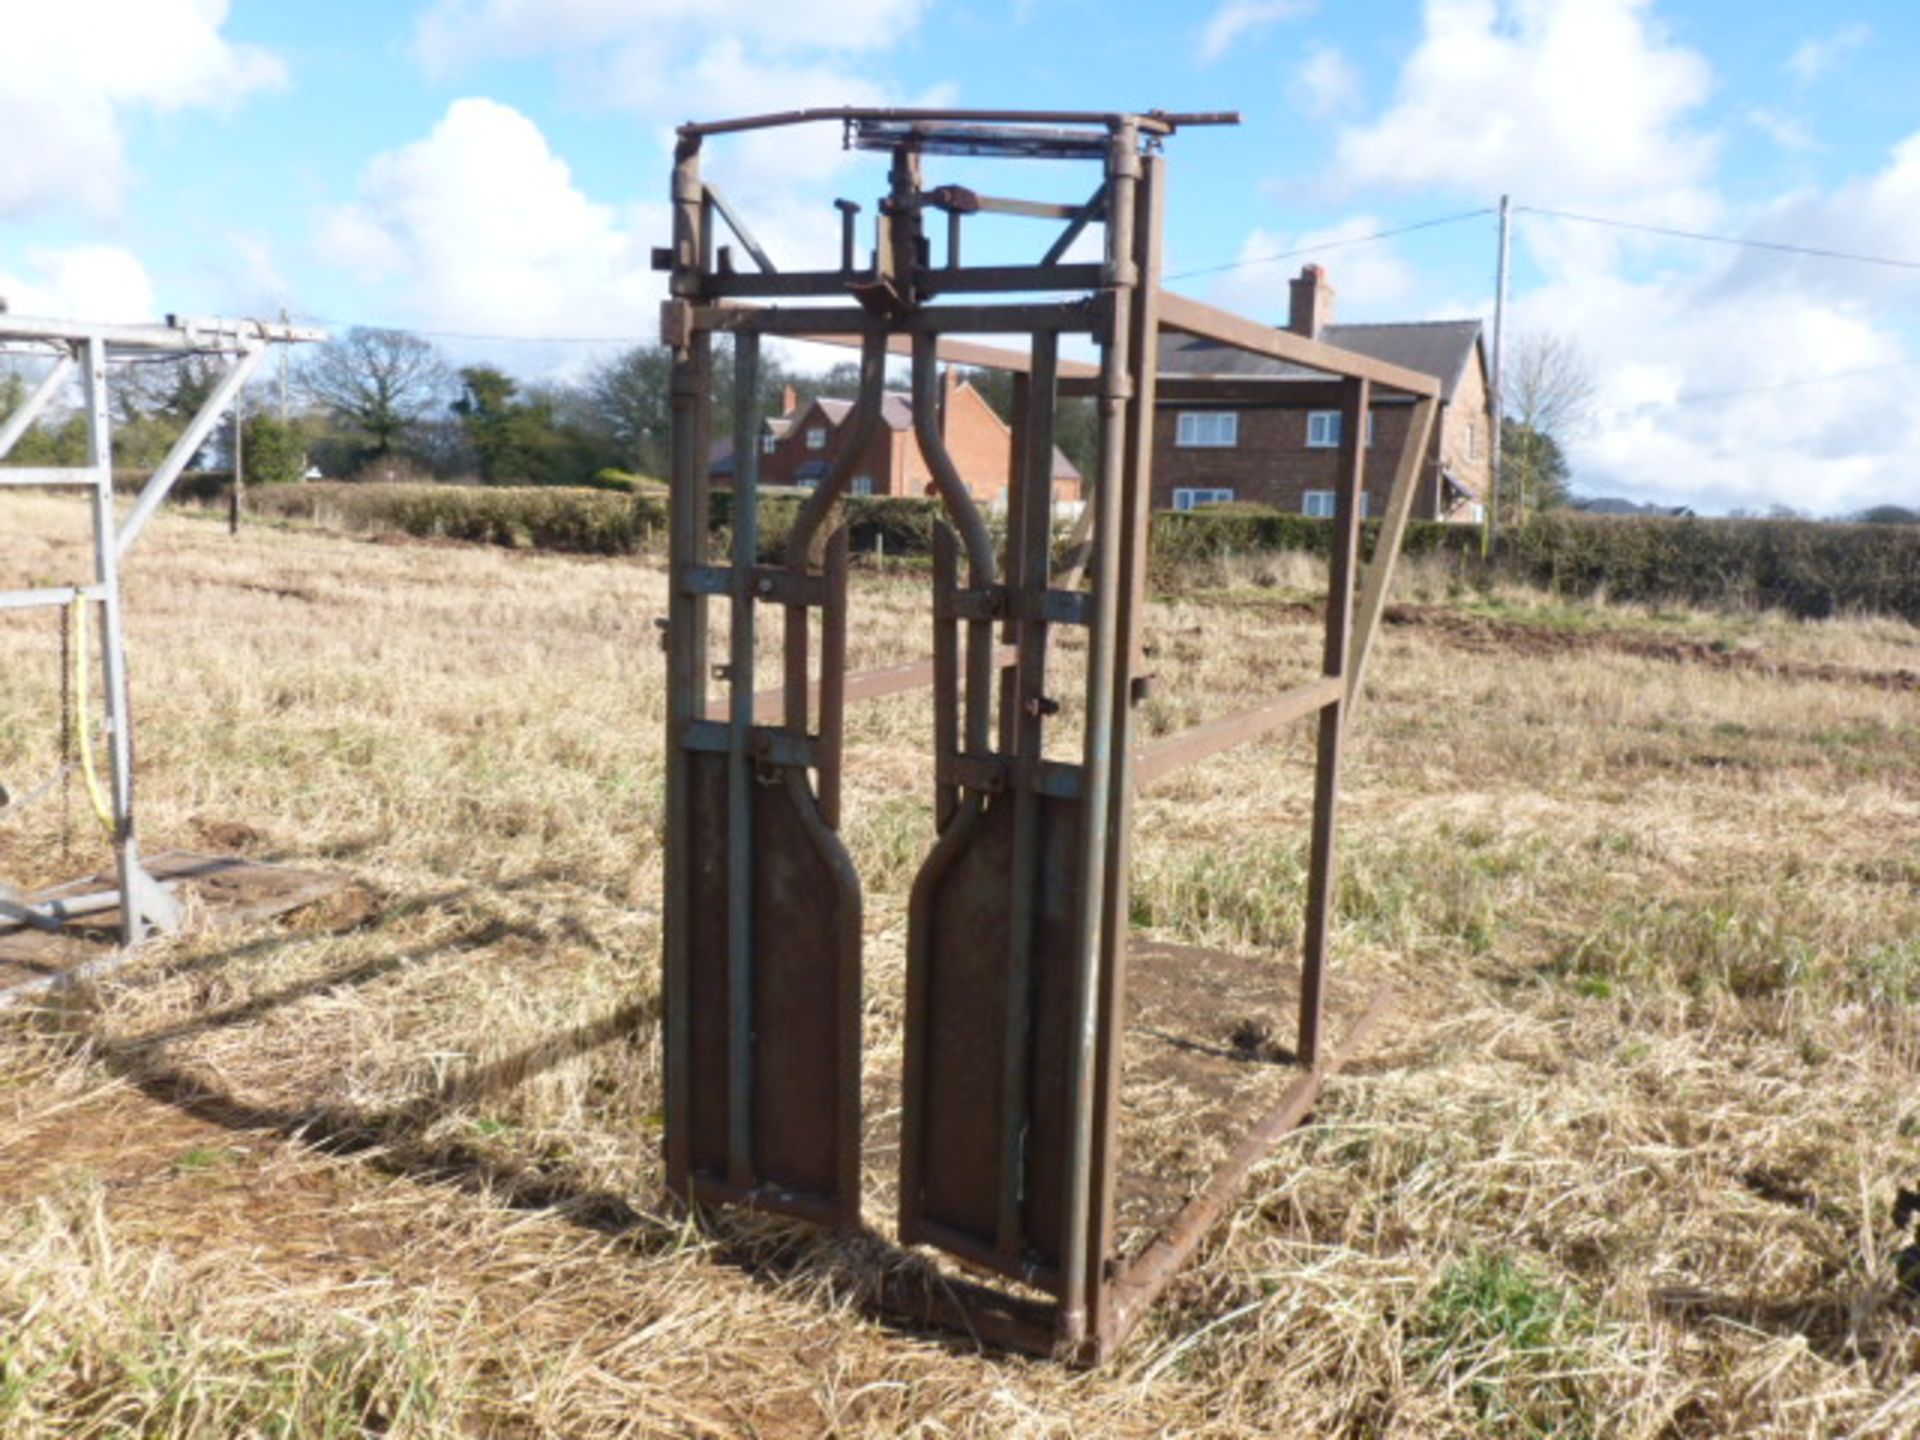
(789, 401)
(1310, 310)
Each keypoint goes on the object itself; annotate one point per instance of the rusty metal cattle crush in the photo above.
(1017, 934)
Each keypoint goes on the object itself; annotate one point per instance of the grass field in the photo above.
(1622, 1162)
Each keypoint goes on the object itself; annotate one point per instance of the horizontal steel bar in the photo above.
(52, 914)
(180, 333)
(773, 747)
(961, 352)
(61, 595)
(49, 476)
(1210, 322)
(1153, 122)
(1176, 752)
(1072, 318)
(773, 584)
(977, 279)
(768, 705)
(969, 202)
(997, 774)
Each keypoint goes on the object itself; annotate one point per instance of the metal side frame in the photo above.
(1017, 931)
(87, 351)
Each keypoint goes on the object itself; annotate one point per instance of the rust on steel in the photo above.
(1017, 933)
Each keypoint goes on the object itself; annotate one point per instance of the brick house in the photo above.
(800, 445)
(1253, 441)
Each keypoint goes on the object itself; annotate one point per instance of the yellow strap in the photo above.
(100, 806)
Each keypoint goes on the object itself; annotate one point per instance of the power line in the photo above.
(1333, 244)
(1779, 247)
(1696, 396)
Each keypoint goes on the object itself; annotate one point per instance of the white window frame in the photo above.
(1326, 424)
(1207, 430)
(769, 442)
(1192, 497)
(1312, 501)
(816, 437)
(863, 485)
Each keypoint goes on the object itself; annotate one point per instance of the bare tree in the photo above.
(1547, 406)
(379, 382)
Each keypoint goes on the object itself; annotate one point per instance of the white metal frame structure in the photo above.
(86, 351)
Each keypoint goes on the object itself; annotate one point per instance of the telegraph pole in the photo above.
(1499, 370)
(283, 371)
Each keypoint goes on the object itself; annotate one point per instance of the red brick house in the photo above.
(800, 445)
(1257, 443)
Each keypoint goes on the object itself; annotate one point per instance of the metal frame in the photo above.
(88, 350)
(1017, 933)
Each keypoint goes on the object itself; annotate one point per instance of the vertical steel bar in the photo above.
(929, 427)
(686, 655)
(1136, 517)
(1122, 278)
(1326, 779)
(746, 550)
(1018, 423)
(1028, 570)
(833, 676)
(946, 673)
(113, 661)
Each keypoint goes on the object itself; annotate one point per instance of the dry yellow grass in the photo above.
(1622, 1164)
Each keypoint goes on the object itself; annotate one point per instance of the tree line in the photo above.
(379, 403)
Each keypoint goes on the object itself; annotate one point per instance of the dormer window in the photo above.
(769, 442)
(816, 437)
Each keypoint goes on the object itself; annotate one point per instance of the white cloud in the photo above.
(71, 70)
(454, 33)
(1324, 83)
(1786, 131)
(86, 282)
(1702, 363)
(1234, 19)
(480, 227)
(1818, 54)
(1563, 101)
(670, 60)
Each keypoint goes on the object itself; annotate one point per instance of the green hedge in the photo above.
(1807, 568)
(1811, 569)
(563, 518)
(1183, 538)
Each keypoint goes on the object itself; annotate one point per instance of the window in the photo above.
(1190, 499)
(1323, 429)
(769, 442)
(817, 437)
(1208, 429)
(863, 484)
(1473, 442)
(1321, 504)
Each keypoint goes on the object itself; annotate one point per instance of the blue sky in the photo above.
(496, 167)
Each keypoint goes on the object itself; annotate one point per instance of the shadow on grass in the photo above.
(892, 1285)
